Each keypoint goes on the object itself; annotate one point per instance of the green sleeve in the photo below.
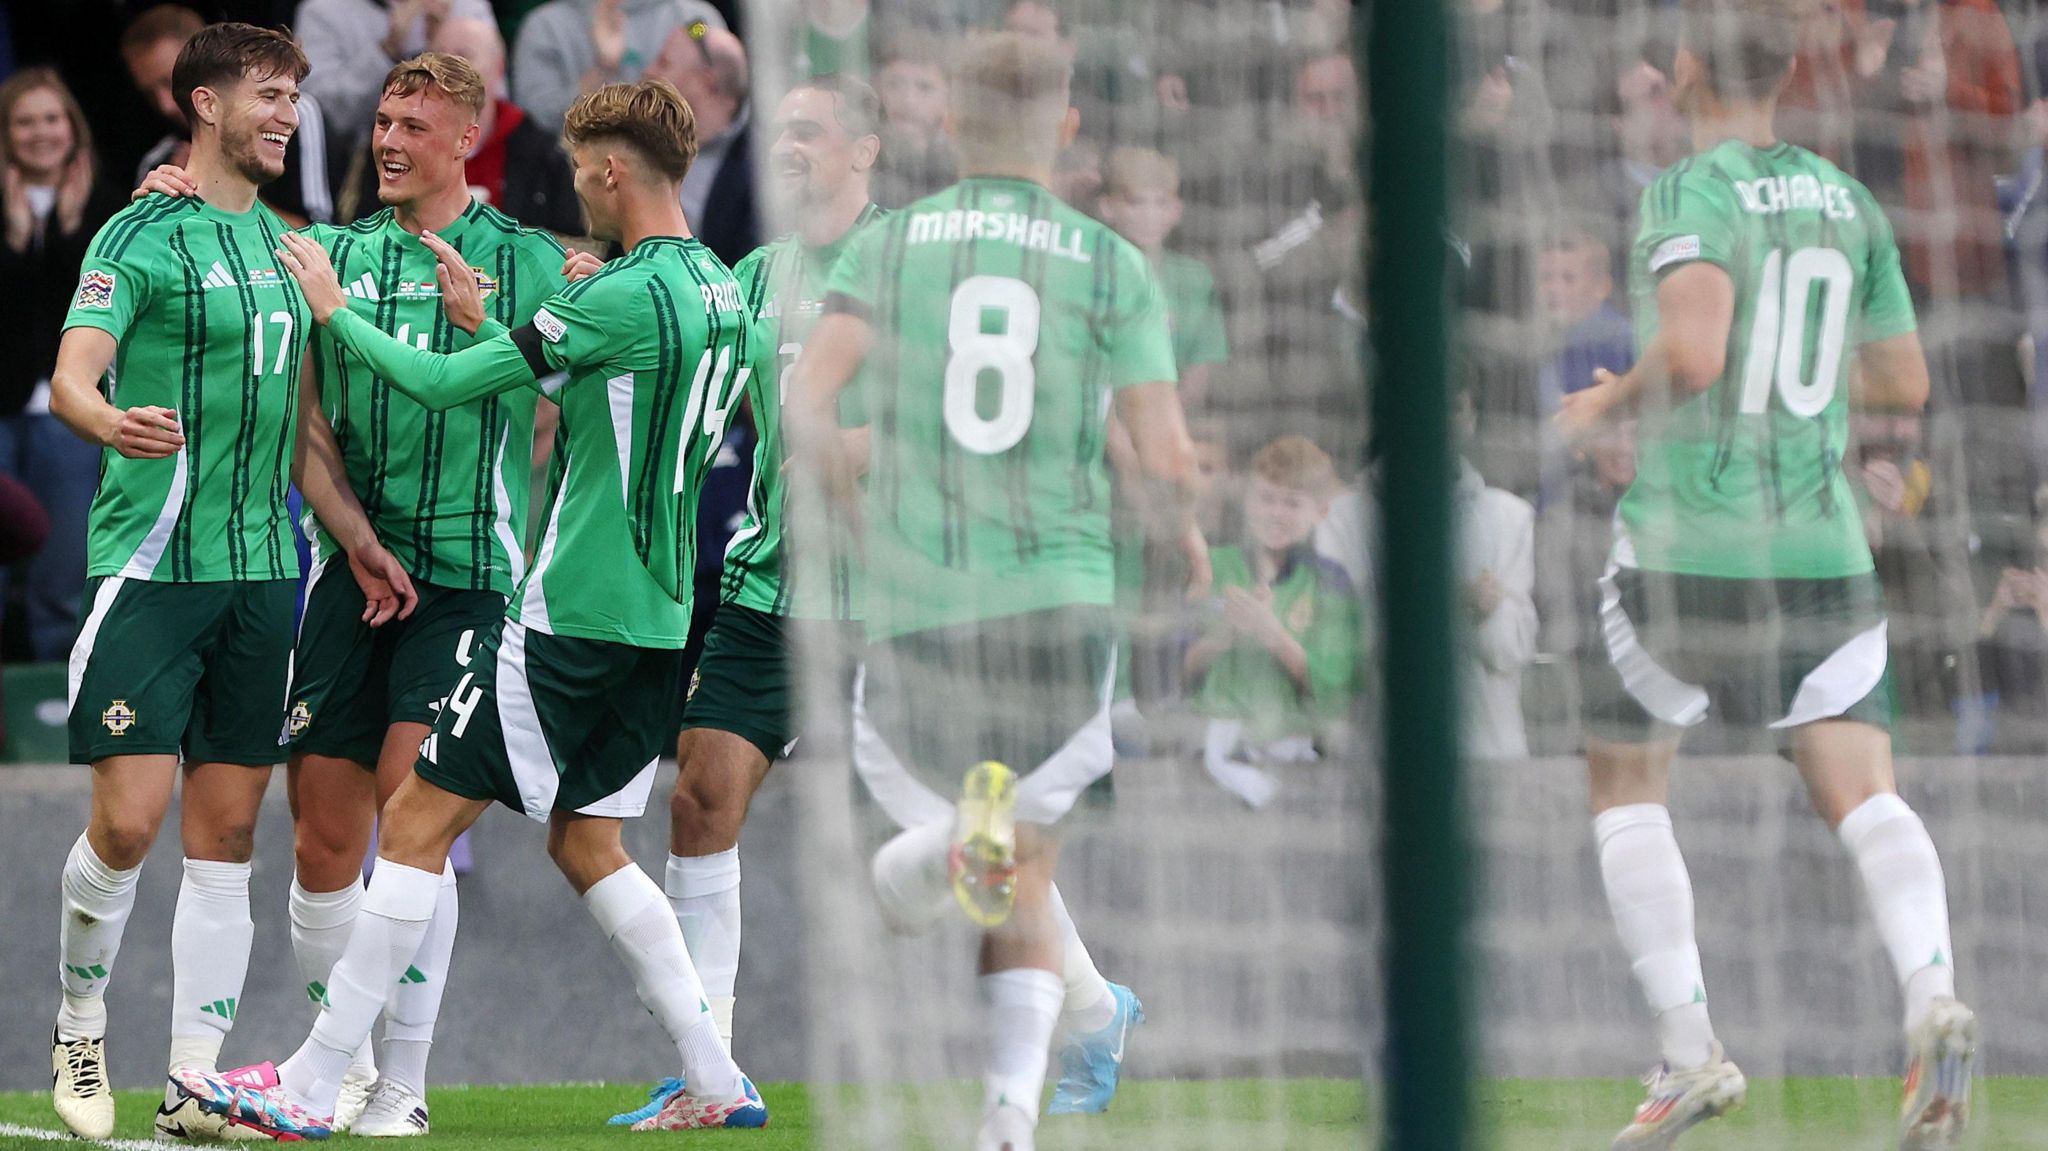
(1886, 309)
(111, 291)
(437, 381)
(1685, 221)
(1140, 340)
(581, 325)
(1332, 648)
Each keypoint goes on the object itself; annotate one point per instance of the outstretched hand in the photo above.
(309, 265)
(461, 296)
(168, 179)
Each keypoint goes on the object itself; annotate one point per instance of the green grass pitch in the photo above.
(1315, 1115)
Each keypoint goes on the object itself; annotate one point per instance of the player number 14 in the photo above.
(1778, 336)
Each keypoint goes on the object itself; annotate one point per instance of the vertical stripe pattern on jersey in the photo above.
(280, 478)
(1093, 426)
(1031, 269)
(244, 447)
(380, 392)
(952, 486)
(191, 415)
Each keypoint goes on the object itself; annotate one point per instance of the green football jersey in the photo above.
(654, 347)
(1002, 322)
(208, 326)
(1745, 480)
(784, 283)
(1199, 334)
(447, 492)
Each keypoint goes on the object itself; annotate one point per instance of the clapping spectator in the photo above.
(567, 47)
(917, 158)
(1277, 662)
(709, 67)
(1575, 294)
(1497, 582)
(2012, 652)
(54, 202)
(353, 43)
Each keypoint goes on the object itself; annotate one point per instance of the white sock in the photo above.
(705, 890)
(320, 925)
(415, 1001)
(387, 934)
(911, 885)
(97, 899)
(1650, 895)
(1023, 1007)
(634, 915)
(1902, 878)
(211, 933)
(1089, 1005)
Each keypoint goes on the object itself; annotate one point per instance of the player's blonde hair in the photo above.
(1745, 46)
(1131, 170)
(1010, 94)
(450, 75)
(1296, 463)
(650, 116)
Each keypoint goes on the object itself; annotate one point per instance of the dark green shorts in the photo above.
(1030, 691)
(1774, 654)
(197, 669)
(351, 682)
(545, 723)
(743, 680)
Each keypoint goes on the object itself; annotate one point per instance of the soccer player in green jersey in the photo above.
(184, 654)
(995, 329)
(1765, 280)
(568, 701)
(444, 491)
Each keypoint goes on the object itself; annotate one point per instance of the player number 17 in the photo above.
(1778, 336)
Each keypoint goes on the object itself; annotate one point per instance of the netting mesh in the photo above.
(1241, 926)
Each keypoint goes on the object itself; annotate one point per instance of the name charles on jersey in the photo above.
(1771, 195)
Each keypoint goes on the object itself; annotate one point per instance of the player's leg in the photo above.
(1847, 766)
(1022, 991)
(717, 775)
(130, 795)
(397, 1103)
(333, 805)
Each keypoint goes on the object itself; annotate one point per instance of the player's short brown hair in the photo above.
(450, 75)
(649, 115)
(859, 109)
(1296, 463)
(222, 54)
(1746, 46)
(1131, 170)
(1010, 94)
(163, 22)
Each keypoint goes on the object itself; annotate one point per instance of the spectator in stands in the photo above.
(1575, 294)
(1141, 200)
(917, 158)
(835, 37)
(1277, 662)
(1497, 584)
(517, 167)
(2024, 200)
(150, 46)
(709, 67)
(1650, 135)
(54, 202)
(23, 528)
(1077, 175)
(353, 43)
(1576, 539)
(567, 47)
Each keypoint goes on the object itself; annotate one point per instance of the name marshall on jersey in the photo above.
(1026, 231)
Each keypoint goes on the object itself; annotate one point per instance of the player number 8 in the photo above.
(1014, 306)
(1778, 336)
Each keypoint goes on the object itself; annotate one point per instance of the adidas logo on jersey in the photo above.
(364, 287)
(218, 276)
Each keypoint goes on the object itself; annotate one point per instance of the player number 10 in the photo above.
(1008, 352)
(1778, 337)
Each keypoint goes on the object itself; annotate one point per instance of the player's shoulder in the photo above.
(147, 217)
(532, 241)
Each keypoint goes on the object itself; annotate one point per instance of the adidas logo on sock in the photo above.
(218, 276)
(363, 287)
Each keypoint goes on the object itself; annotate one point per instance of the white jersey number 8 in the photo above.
(1007, 353)
(1777, 338)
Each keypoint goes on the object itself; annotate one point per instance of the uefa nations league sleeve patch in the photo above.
(550, 328)
(95, 290)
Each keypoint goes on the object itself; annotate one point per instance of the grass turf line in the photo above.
(1517, 1115)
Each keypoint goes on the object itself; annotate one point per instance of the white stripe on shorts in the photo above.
(526, 745)
(88, 635)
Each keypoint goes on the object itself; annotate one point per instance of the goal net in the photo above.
(1226, 880)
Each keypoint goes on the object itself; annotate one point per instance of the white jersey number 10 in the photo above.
(1778, 336)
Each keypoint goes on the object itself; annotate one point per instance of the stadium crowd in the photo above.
(1219, 136)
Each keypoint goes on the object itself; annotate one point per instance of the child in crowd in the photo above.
(1141, 200)
(1277, 662)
